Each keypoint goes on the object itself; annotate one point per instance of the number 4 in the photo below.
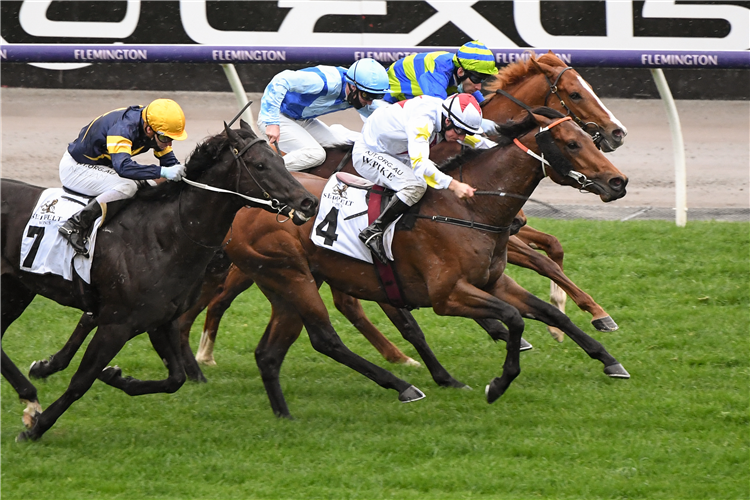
(331, 220)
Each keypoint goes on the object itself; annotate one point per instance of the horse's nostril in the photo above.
(616, 183)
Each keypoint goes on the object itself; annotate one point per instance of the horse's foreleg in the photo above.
(497, 331)
(104, 346)
(15, 299)
(469, 301)
(532, 307)
(411, 331)
(235, 283)
(166, 342)
(352, 310)
(61, 359)
(301, 294)
(523, 255)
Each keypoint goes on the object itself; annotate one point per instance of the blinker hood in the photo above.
(552, 153)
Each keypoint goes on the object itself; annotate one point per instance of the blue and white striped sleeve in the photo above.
(302, 82)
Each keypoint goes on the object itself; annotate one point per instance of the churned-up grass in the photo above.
(678, 429)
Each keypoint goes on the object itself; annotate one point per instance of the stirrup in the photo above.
(377, 247)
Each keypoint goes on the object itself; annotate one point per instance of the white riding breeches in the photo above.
(303, 141)
(385, 170)
(95, 180)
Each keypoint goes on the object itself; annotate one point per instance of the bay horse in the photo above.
(536, 82)
(146, 262)
(455, 270)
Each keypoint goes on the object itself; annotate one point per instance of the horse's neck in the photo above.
(206, 216)
(531, 90)
(504, 170)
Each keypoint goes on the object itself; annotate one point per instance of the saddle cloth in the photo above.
(43, 249)
(342, 215)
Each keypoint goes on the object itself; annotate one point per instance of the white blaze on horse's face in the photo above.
(596, 97)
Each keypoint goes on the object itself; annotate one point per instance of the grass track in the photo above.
(677, 429)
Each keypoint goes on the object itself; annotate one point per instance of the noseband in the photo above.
(596, 135)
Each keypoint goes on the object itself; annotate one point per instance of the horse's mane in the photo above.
(516, 71)
(508, 131)
(204, 156)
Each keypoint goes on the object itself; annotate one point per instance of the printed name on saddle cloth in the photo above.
(342, 215)
(43, 249)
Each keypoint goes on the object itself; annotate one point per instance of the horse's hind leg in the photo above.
(235, 283)
(351, 308)
(533, 307)
(60, 360)
(282, 331)
(497, 331)
(166, 342)
(404, 321)
(15, 299)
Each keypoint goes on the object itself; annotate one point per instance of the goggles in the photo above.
(474, 77)
(367, 96)
(162, 137)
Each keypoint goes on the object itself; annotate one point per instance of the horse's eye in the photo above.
(259, 166)
(575, 96)
(572, 145)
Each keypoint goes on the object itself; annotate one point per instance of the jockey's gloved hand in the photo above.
(173, 173)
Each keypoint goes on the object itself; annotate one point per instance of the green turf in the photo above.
(677, 429)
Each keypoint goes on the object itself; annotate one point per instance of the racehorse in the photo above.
(145, 263)
(535, 81)
(532, 82)
(455, 270)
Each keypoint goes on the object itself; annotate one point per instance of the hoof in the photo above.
(23, 437)
(38, 369)
(525, 346)
(409, 362)
(109, 373)
(616, 371)
(556, 333)
(410, 394)
(606, 324)
(495, 389)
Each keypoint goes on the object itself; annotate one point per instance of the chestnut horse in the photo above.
(535, 82)
(456, 270)
(145, 263)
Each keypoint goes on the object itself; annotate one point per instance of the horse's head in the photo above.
(574, 160)
(257, 171)
(570, 94)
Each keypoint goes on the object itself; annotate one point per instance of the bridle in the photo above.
(596, 135)
(545, 142)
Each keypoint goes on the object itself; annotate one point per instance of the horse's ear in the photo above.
(246, 126)
(233, 137)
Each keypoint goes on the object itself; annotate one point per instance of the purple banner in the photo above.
(41, 53)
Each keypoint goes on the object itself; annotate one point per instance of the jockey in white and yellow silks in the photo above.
(394, 151)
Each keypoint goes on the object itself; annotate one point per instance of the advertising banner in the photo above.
(607, 33)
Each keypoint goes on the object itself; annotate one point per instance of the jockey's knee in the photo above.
(127, 190)
(412, 193)
(302, 159)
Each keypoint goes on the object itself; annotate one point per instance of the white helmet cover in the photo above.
(464, 111)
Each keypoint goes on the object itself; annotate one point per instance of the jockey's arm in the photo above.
(120, 152)
(419, 130)
(302, 82)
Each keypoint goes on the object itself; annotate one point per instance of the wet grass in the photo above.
(677, 429)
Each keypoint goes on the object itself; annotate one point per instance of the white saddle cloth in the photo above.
(43, 249)
(343, 215)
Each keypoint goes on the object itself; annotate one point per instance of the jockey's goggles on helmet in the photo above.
(474, 76)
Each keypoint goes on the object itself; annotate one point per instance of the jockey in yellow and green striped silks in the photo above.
(440, 73)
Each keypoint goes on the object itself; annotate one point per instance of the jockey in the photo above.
(441, 73)
(293, 100)
(99, 162)
(394, 152)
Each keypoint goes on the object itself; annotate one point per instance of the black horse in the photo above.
(146, 263)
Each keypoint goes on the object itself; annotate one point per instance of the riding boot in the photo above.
(372, 235)
(76, 230)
